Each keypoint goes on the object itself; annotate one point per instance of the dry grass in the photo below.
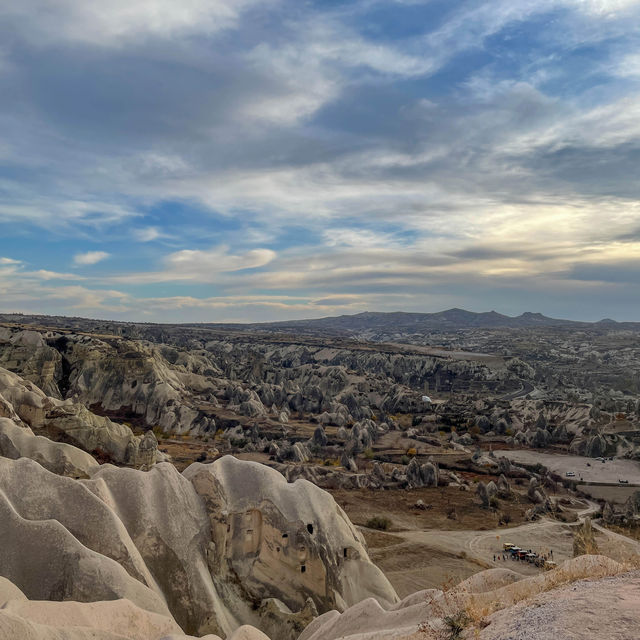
(584, 540)
(461, 603)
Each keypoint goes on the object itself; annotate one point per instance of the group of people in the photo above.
(515, 556)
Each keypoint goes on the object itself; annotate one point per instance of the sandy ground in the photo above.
(411, 567)
(423, 558)
(610, 471)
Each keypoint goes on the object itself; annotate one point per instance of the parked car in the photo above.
(571, 474)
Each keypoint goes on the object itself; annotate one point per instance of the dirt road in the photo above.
(415, 560)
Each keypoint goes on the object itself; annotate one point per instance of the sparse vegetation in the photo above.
(159, 433)
(455, 624)
(379, 522)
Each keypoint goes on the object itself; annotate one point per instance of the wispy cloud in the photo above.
(200, 265)
(148, 234)
(115, 22)
(90, 257)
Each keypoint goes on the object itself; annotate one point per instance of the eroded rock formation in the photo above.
(202, 548)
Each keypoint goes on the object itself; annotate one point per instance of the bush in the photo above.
(405, 460)
(159, 432)
(378, 522)
(456, 624)
(494, 503)
(368, 454)
(412, 452)
(505, 518)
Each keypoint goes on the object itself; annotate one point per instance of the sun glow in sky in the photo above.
(247, 160)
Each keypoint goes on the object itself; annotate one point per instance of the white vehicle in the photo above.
(571, 474)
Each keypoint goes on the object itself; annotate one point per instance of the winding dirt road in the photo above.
(543, 536)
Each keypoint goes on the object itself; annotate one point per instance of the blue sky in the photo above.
(247, 160)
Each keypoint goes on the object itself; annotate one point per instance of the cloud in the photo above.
(90, 257)
(148, 234)
(190, 262)
(368, 154)
(113, 22)
(195, 265)
(606, 8)
(45, 274)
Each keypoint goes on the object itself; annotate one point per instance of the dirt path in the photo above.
(467, 552)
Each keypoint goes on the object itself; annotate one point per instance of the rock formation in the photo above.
(58, 457)
(27, 406)
(200, 548)
(495, 590)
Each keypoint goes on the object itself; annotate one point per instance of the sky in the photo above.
(260, 160)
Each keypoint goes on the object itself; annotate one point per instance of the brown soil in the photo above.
(379, 540)
(399, 506)
(184, 452)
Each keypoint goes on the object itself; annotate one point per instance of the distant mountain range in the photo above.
(369, 324)
(450, 320)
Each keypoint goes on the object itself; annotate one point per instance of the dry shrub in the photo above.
(479, 606)
(378, 522)
(584, 540)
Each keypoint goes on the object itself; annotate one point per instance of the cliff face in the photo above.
(223, 544)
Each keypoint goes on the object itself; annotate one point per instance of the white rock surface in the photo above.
(58, 457)
(201, 548)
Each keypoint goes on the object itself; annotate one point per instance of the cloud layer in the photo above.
(218, 160)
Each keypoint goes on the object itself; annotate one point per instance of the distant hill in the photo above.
(449, 320)
(369, 325)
